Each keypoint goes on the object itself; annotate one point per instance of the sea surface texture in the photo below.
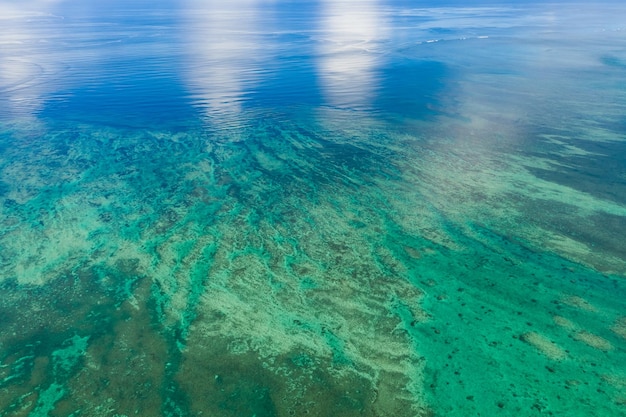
(254, 208)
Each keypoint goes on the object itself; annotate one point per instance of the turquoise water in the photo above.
(312, 208)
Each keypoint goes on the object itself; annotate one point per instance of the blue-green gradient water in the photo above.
(332, 208)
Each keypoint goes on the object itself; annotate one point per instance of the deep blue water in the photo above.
(325, 208)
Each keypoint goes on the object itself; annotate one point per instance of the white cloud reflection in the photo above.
(23, 67)
(350, 52)
(225, 52)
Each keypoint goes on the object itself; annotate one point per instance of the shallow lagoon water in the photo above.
(277, 209)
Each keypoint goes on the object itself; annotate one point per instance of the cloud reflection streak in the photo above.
(24, 31)
(226, 52)
(350, 52)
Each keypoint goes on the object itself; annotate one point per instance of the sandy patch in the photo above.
(619, 328)
(578, 302)
(544, 345)
(563, 322)
(593, 340)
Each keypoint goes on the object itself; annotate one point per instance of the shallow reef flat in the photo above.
(298, 269)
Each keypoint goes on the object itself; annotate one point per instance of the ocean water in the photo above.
(331, 208)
